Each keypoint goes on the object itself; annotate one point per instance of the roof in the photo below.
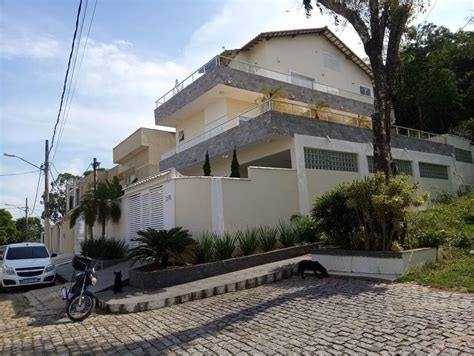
(324, 31)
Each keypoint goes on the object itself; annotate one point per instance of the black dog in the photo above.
(314, 266)
(118, 282)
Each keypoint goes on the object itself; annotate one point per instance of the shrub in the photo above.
(224, 246)
(286, 234)
(267, 238)
(306, 229)
(204, 251)
(444, 198)
(337, 221)
(248, 241)
(103, 249)
(159, 246)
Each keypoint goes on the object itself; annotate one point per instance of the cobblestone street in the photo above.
(303, 316)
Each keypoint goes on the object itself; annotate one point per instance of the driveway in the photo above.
(330, 315)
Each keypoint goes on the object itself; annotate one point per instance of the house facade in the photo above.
(296, 107)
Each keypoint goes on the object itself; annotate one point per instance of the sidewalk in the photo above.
(134, 300)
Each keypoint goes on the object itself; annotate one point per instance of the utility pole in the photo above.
(95, 165)
(46, 196)
(26, 217)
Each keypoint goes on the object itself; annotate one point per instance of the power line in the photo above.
(37, 188)
(468, 22)
(67, 74)
(68, 93)
(17, 174)
(429, 12)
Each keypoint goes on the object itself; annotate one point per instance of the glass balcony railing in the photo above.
(309, 111)
(264, 72)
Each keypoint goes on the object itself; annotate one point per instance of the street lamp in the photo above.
(45, 168)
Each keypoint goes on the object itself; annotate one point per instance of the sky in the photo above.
(135, 51)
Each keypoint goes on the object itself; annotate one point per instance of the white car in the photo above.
(26, 263)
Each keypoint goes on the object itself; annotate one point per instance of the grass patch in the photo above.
(455, 272)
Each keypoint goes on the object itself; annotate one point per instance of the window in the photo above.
(436, 171)
(330, 160)
(331, 61)
(24, 253)
(302, 80)
(463, 155)
(365, 91)
(403, 167)
(181, 135)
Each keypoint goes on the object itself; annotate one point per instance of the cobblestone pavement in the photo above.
(331, 315)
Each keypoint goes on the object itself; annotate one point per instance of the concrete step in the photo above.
(135, 300)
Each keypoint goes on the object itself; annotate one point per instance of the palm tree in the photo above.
(100, 205)
(160, 246)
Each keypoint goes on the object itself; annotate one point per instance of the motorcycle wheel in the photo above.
(76, 309)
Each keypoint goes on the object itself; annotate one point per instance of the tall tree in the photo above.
(57, 196)
(234, 166)
(380, 25)
(435, 90)
(33, 233)
(8, 230)
(100, 205)
(207, 165)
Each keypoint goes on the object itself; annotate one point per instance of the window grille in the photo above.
(463, 155)
(403, 166)
(330, 160)
(365, 91)
(437, 171)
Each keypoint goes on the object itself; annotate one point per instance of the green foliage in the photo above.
(57, 196)
(306, 229)
(103, 249)
(369, 214)
(160, 246)
(234, 166)
(34, 229)
(454, 272)
(286, 234)
(465, 129)
(224, 246)
(444, 224)
(248, 241)
(275, 92)
(207, 165)
(338, 222)
(100, 205)
(8, 231)
(444, 198)
(267, 238)
(435, 90)
(204, 249)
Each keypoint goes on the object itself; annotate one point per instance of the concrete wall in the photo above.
(278, 54)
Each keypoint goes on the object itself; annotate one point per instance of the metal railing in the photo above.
(414, 133)
(261, 71)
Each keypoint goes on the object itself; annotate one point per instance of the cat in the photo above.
(118, 282)
(314, 266)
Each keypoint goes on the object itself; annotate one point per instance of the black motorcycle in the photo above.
(79, 301)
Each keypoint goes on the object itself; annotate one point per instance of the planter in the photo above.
(380, 265)
(171, 277)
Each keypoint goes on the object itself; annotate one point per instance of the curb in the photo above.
(158, 303)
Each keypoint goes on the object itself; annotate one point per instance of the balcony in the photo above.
(297, 109)
(261, 71)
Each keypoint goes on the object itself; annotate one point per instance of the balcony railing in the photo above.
(309, 111)
(264, 72)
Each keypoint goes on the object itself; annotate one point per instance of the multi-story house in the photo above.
(293, 144)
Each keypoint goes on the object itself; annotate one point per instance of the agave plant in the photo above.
(286, 234)
(267, 238)
(204, 251)
(159, 246)
(224, 246)
(306, 229)
(248, 241)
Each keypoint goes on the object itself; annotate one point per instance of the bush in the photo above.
(204, 251)
(286, 234)
(306, 229)
(444, 198)
(160, 246)
(248, 241)
(224, 246)
(338, 222)
(267, 238)
(103, 249)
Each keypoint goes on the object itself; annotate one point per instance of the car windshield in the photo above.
(22, 253)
